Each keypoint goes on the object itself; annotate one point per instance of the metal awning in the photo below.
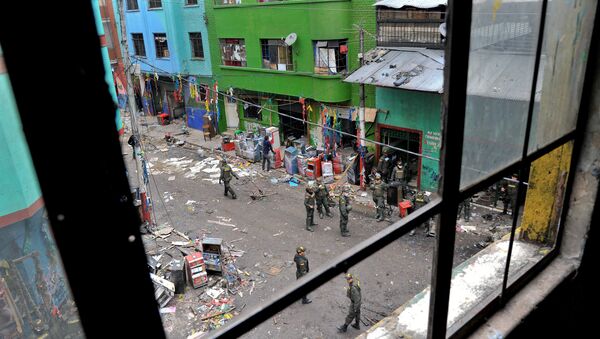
(415, 69)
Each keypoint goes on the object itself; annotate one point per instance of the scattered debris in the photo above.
(171, 309)
(276, 234)
(220, 223)
(171, 178)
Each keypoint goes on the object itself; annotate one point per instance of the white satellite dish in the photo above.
(442, 29)
(290, 39)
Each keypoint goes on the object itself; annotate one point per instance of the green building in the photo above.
(301, 78)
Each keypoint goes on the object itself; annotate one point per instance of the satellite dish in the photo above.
(442, 29)
(290, 39)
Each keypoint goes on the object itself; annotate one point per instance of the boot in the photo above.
(233, 196)
(310, 229)
(320, 215)
(412, 232)
(345, 234)
(306, 301)
(343, 328)
(356, 325)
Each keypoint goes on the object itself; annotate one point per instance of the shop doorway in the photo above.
(409, 140)
(291, 127)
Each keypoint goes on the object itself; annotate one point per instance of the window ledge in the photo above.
(191, 6)
(294, 73)
(132, 10)
(155, 9)
(198, 59)
(275, 3)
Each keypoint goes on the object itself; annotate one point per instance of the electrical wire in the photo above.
(305, 121)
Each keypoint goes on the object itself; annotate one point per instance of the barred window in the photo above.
(276, 55)
(191, 2)
(155, 4)
(196, 44)
(132, 5)
(138, 44)
(160, 42)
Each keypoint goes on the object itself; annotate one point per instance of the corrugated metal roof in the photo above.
(413, 3)
(415, 69)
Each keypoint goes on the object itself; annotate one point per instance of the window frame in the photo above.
(158, 48)
(230, 41)
(137, 5)
(189, 3)
(267, 44)
(338, 53)
(390, 20)
(153, 3)
(192, 49)
(59, 188)
(134, 41)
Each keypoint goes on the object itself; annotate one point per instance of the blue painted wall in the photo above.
(176, 20)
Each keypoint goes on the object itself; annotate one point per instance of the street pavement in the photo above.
(188, 199)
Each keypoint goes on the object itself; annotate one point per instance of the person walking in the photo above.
(354, 294)
(226, 175)
(379, 189)
(301, 268)
(266, 150)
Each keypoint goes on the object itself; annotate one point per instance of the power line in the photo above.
(306, 121)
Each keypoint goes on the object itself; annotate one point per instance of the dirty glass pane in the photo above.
(260, 231)
(395, 277)
(564, 57)
(35, 297)
(539, 220)
(503, 44)
(483, 227)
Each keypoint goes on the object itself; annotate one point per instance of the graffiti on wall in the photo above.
(431, 175)
(433, 140)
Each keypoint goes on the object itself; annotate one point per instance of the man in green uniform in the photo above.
(509, 194)
(466, 206)
(420, 200)
(379, 189)
(226, 175)
(322, 195)
(301, 268)
(345, 207)
(352, 292)
(384, 165)
(398, 179)
(309, 203)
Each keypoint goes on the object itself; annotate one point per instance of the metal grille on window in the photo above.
(138, 44)
(155, 4)
(196, 43)
(162, 49)
(401, 27)
(132, 5)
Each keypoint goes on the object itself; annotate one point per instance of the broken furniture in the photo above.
(212, 254)
(196, 269)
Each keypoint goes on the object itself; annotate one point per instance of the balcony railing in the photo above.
(409, 28)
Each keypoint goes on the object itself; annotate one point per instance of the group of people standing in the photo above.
(317, 197)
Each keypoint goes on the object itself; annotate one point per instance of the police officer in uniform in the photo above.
(379, 189)
(399, 179)
(301, 268)
(345, 208)
(309, 203)
(352, 292)
(226, 175)
(383, 166)
(420, 199)
(322, 194)
(509, 194)
(466, 206)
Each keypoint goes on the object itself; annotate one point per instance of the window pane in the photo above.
(564, 58)
(35, 297)
(501, 62)
(540, 219)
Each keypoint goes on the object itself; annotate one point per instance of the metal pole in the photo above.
(361, 112)
(132, 114)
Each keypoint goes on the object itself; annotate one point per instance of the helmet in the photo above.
(348, 276)
(300, 249)
(377, 176)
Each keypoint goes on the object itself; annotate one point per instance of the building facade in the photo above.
(290, 64)
(168, 42)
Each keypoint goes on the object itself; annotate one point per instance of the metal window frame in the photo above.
(241, 42)
(267, 43)
(137, 5)
(114, 213)
(136, 44)
(158, 46)
(153, 3)
(197, 40)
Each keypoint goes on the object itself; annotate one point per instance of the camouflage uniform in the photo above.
(509, 196)
(345, 207)
(354, 294)
(466, 204)
(309, 203)
(301, 268)
(322, 194)
(399, 180)
(420, 199)
(383, 166)
(379, 189)
(226, 175)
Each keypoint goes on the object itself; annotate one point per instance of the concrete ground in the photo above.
(268, 231)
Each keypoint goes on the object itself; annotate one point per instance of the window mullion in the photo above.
(454, 104)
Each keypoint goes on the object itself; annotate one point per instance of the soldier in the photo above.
(466, 205)
(226, 174)
(379, 189)
(509, 194)
(383, 166)
(345, 207)
(420, 199)
(301, 268)
(309, 203)
(399, 179)
(322, 194)
(352, 292)
(496, 194)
